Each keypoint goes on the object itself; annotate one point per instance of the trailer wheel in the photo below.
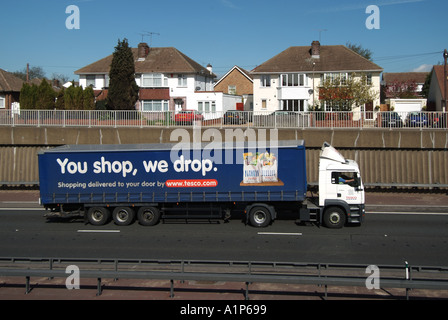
(98, 216)
(260, 217)
(123, 216)
(334, 218)
(148, 216)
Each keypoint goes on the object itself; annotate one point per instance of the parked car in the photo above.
(234, 117)
(417, 119)
(186, 117)
(280, 119)
(437, 120)
(391, 120)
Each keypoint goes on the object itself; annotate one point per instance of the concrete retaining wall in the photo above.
(386, 157)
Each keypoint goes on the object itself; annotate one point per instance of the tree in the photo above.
(366, 53)
(123, 90)
(402, 89)
(34, 73)
(28, 96)
(45, 96)
(427, 85)
(342, 94)
(73, 98)
(88, 100)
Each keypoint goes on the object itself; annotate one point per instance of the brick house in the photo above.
(238, 81)
(10, 87)
(436, 96)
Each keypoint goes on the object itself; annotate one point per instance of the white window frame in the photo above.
(2, 102)
(294, 80)
(182, 80)
(207, 106)
(343, 76)
(154, 80)
(265, 81)
(231, 89)
(155, 105)
(91, 80)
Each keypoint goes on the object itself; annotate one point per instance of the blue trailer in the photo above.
(163, 181)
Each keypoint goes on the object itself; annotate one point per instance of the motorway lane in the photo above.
(382, 239)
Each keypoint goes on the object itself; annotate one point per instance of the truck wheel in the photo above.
(123, 216)
(148, 216)
(334, 218)
(260, 217)
(98, 216)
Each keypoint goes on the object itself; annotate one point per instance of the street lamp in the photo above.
(445, 56)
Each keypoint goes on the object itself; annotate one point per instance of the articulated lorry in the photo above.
(148, 183)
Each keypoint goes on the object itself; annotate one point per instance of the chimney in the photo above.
(315, 50)
(143, 51)
(210, 68)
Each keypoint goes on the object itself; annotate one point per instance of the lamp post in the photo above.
(445, 80)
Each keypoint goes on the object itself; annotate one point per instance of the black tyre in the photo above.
(334, 218)
(98, 216)
(148, 216)
(123, 216)
(260, 217)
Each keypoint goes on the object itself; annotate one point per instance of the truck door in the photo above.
(346, 186)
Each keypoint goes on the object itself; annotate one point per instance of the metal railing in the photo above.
(337, 275)
(255, 119)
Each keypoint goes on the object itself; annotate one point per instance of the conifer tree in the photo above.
(123, 90)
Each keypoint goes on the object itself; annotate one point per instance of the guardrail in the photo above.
(255, 119)
(346, 275)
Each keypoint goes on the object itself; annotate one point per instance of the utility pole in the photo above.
(445, 80)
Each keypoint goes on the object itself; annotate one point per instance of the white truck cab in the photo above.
(341, 192)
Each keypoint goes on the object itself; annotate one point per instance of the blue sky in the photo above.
(412, 34)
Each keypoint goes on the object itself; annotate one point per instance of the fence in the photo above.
(256, 119)
(319, 274)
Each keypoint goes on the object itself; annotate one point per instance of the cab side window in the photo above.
(343, 178)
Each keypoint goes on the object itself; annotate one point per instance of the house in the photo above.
(290, 81)
(398, 84)
(10, 87)
(437, 92)
(240, 82)
(168, 80)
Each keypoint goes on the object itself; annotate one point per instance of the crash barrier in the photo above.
(250, 119)
(320, 274)
(381, 168)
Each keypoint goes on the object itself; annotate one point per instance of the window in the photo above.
(154, 80)
(206, 106)
(2, 102)
(344, 178)
(369, 79)
(232, 90)
(266, 81)
(293, 80)
(293, 105)
(90, 81)
(263, 104)
(155, 105)
(182, 80)
(333, 76)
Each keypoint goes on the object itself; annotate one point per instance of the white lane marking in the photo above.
(22, 209)
(409, 213)
(98, 231)
(279, 234)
